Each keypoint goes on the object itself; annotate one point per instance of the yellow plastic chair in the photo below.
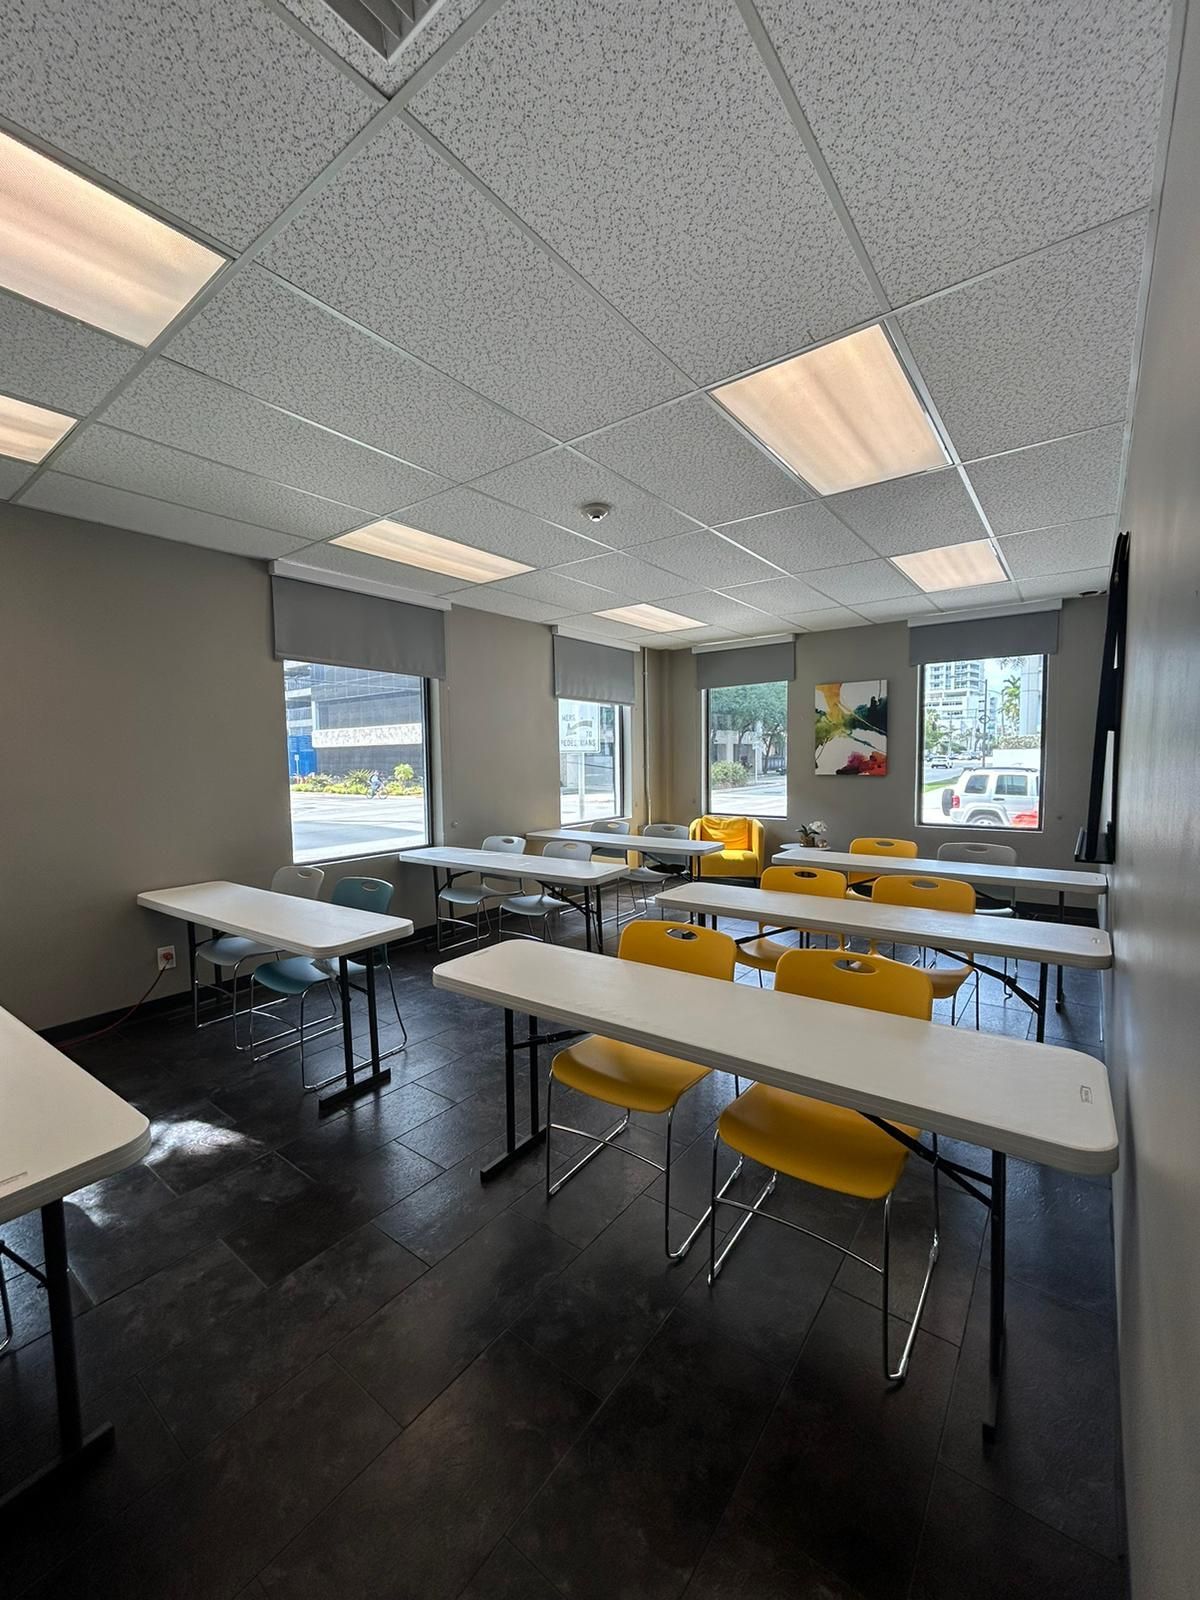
(934, 894)
(830, 1146)
(629, 1076)
(860, 882)
(743, 843)
(764, 952)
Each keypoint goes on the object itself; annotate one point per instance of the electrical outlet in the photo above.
(166, 958)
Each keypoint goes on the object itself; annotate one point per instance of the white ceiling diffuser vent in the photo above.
(383, 24)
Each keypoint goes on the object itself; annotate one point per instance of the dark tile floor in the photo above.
(339, 1366)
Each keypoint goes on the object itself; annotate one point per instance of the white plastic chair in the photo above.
(543, 905)
(615, 826)
(993, 855)
(477, 897)
(650, 877)
(232, 950)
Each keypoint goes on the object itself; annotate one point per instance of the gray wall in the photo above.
(1154, 1026)
(852, 806)
(143, 729)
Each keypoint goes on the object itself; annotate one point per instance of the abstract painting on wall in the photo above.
(851, 729)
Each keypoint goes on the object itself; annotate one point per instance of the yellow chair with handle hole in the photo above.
(633, 1078)
(860, 882)
(764, 952)
(743, 846)
(934, 894)
(830, 1146)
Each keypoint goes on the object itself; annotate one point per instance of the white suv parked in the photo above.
(993, 797)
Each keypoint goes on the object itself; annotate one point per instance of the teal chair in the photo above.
(297, 976)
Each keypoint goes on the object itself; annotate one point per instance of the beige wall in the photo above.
(852, 806)
(1154, 1026)
(143, 740)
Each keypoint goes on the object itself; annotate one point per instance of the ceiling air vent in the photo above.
(383, 24)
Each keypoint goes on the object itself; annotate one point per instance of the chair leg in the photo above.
(901, 1371)
(600, 1144)
(395, 1003)
(682, 1250)
(7, 1309)
(716, 1262)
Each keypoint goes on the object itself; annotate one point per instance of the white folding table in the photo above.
(557, 872)
(1061, 944)
(1042, 1103)
(285, 922)
(60, 1129)
(984, 875)
(689, 851)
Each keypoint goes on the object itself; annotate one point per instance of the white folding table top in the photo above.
(538, 869)
(984, 873)
(60, 1128)
(282, 921)
(648, 843)
(1041, 1102)
(1056, 944)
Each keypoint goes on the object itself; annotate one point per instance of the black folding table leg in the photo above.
(996, 1308)
(353, 1087)
(587, 916)
(535, 1121)
(514, 1147)
(600, 917)
(1043, 987)
(1060, 998)
(191, 944)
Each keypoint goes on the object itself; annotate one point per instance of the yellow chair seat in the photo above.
(625, 1074)
(762, 953)
(821, 1144)
(730, 864)
(947, 981)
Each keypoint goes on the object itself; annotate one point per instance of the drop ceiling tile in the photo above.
(648, 145)
(1062, 585)
(917, 513)
(759, 624)
(827, 621)
(486, 598)
(1069, 548)
(703, 605)
(489, 525)
(97, 502)
(960, 140)
(358, 564)
(688, 637)
(979, 594)
(559, 589)
(142, 467)
(799, 538)
(176, 406)
(705, 559)
(913, 605)
(53, 361)
(626, 576)
(1040, 349)
(441, 272)
(259, 334)
(556, 483)
(865, 580)
(12, 475)
(215, 110)
(606, 628)
(387, 73)
(1067, 480)
(784, 596)
(691, 455)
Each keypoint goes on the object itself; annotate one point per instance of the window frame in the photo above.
(622, 740)
(427, 732)
(705, 764)
(1040, 771)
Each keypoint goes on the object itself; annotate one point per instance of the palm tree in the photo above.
(1010, 703)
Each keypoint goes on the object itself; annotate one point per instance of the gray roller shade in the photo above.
(343, 629)
(587, 671)
(756, 663)
(1026, 633)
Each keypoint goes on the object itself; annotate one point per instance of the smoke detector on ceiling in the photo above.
(596, 510)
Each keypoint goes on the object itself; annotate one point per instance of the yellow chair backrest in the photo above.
(871, 982)
(732, 832)
(938, 894)
(805, 880)
(704, 951)
(880, 847)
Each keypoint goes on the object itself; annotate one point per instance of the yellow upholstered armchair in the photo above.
(743, 846)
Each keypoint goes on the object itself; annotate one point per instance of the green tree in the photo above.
(745, 706)
(1010, 703)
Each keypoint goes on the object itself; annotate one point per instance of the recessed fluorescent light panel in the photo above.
(30, 432)
(841, 416)
(416, 548)
(78, 249)
(952, 566)
(653, 618)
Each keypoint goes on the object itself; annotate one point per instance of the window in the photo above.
(747, 749)
(358, 760)
(591, 760)
(981, 734)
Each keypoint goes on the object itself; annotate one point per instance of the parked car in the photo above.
(993, 797)
(939, 763)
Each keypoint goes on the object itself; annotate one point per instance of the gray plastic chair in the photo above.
(542, 906)
(650, 877)
(476, 897)
(994, 855)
